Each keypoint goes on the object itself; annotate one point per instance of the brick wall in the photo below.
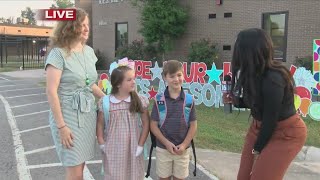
(303, 24)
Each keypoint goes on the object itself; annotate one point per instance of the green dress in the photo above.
(77, 103)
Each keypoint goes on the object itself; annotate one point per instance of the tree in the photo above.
(162, 22)
(62, 4)
(203, 50)
(10, 20)
(7, 20)
(30, 15)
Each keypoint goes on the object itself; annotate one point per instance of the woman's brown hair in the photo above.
(117, 77)
(67, 33)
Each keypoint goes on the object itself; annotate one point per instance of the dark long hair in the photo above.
(252, 56)
(117, 77)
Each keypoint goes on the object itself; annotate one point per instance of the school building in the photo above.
(292, 24)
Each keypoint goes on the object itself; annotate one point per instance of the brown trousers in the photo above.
(272, 163)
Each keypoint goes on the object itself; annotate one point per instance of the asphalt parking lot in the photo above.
(27, 149)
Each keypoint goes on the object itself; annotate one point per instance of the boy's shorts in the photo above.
(168, 165)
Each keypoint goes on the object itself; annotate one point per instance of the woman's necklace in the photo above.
(84, 67)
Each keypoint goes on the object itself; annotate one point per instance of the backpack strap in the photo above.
(195, 158)
(162, 108)
(106, 109)
(188, 101)
(162, 112)
(153, 144)
(106, 113)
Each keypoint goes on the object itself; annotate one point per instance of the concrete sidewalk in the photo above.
(225, 165)
(35, 73)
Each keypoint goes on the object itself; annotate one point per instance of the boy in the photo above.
(174, 135)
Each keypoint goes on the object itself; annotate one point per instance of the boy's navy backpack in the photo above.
(162, 111)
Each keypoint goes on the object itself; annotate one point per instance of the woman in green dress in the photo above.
(71, 92)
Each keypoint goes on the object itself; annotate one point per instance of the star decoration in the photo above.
(156, 71)
(152, 93)
(214, 74)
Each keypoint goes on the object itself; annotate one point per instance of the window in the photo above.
(227, 15)
(276, 25)
(212, 16)
(226, 47)
(121, 35)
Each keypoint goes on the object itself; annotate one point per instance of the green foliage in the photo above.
(304, 62)
(137, 50)
(30, 15)
(162, 21)
(203, 50)
(62, 4)
(102, 63)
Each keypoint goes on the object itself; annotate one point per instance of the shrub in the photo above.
(304, 62)
(102, 63)
(137, 50)
(203, 50)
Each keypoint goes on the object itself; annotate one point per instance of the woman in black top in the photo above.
(266, 87)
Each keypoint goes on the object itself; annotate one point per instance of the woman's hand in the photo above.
(66, 137)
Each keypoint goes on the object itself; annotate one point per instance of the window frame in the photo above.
(116, 34)
(285, 36)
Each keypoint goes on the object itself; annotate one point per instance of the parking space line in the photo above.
(9, 85)
(44, 165)
(11, 97)
(28, 104)
(22, 115)
(33, 129)
(39, 150)
(16, 82)
(94, 162)
(59, 164)
(23, 171)
(86, 174)
(22, 89)
(204, 171)
(4, 78)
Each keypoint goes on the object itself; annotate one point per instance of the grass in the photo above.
(226, 132)
(14, 63)
(7, 69)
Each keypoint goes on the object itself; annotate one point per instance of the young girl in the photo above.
(121, 139)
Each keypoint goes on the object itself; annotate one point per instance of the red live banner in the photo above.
(58, 14)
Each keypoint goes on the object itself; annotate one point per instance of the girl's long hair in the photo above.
(117, 77)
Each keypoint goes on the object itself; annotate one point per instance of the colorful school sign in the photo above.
(208, 90)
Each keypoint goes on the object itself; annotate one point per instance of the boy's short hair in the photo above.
(171, 67)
